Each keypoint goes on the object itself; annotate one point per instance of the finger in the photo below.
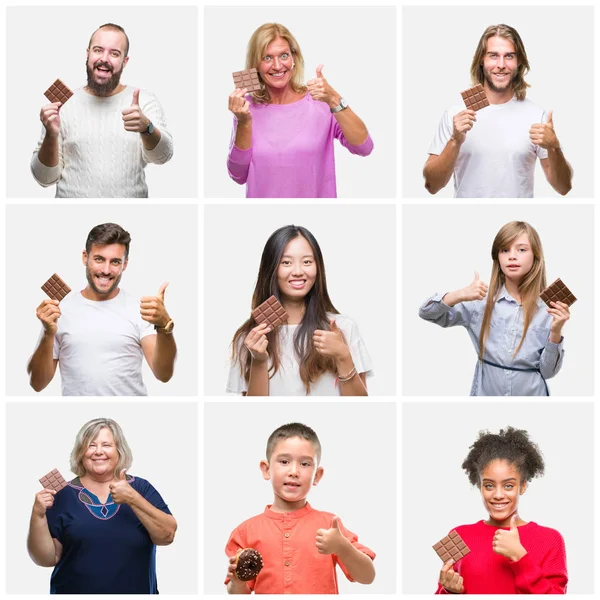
(122, 476)
(320, 70)
(136, 97)
(476, 278)
(333, 325)
(335, 523)
(161, 290)
(549, 119)
(513, 522)
(447, 566)
(321, 531)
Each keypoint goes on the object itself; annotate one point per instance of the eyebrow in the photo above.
(102, 48)
(290, 456)
(303, 256)
(505, 54)
(503, 481)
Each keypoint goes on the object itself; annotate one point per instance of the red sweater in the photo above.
(543, 570)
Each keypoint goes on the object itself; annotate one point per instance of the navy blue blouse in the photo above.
(106, 549)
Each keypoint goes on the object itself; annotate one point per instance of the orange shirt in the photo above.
(292, 564)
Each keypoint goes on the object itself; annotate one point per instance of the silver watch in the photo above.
(341, 106)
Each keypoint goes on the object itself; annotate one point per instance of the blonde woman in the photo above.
(517, 337)
(100, 532)
(282, 140)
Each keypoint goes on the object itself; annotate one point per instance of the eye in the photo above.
(308, 261)
(509, 486)
(286, 262)
(267, 58)
(306, 464)
(283, 461)
(285, 55)
(115, 54)
(98, 259)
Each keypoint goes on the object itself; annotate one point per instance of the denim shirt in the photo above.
(506, 330)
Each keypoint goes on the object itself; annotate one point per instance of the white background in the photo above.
(558, 41)
(163, 439)
(444, 245)
(358, 246)
(50, 42)
(438, 496)
(357, 45)
(358, 443)
(43, 240)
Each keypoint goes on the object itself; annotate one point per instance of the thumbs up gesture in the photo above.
(331, 541)
(320, 90)
(331, 343)
(543, 134)
(508, 543)
(476, 290)
(121, 491)
(133, 118)
(152, 308)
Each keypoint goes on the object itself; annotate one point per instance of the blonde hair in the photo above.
(257, 46)
(519, 85)
(88, 434)
(531, 285)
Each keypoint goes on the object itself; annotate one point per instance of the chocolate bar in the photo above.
(53, 481)
(451, 547)
(56, 288)
(247, 79)
(558, 292)
(475, 97)
(271, 312)
(58, 92)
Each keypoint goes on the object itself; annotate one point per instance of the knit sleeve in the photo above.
(238, 160)
(163, 151)
(46, 176)
(547, 577)
(363, 149)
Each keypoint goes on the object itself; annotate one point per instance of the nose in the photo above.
(276, 62)
(293, 470)
(501, 62)
(498, 493)
(297, 269)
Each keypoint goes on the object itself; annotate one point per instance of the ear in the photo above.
(264, 468)
(318, 475)
(125, 61)
(84, 257)
(125, 263)
(523, 488)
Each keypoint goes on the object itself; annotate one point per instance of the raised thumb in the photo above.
(320, 70)
(549, 117)
(513, 522)
(122, 476)
(333, 325)
(476, 278)
(335, 523)
(161, 290)
(136, 97)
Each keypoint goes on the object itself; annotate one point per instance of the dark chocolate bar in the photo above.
(558, 292)
(247, 79)
(58, 92)
(53, 481)
(271, 312)
(475, 97)
(56, 288)
(451, 547)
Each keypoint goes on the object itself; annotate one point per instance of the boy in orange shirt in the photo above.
(300, 546)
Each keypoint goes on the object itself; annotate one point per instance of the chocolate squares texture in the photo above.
(475, 97)
(247, 79)
(56, 288)
(451, 547)
(271, 312)
(558, 292)
(58, 92)
(53, 481)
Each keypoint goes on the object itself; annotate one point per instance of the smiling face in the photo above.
(499, 64)
(275, 68)
(101, 456)
(292, 469)
(104, 268)
(105, 61)
(501, 487)
(516, 260)
(297, 270)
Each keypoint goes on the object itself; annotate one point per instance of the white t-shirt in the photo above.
(98, 346)
(287, 381)
(497, 159)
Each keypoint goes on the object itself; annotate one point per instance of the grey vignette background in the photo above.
(559, 45)
(359, 481)
(442, 256)
(358, 243)
(164, 442)
(357, 45)
(53, 242)
(437, 495)
(49, 42)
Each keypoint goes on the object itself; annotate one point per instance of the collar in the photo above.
(504, 295)
(296, 514)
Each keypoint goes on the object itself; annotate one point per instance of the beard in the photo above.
(488, 77)
(90, 279)
(103, 89)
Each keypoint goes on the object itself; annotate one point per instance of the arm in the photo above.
(553, 353)
(46, 160)
(43, 549)
(235, 585)
(257, 343)
(240, 147)
(548, 578)
(259, 378)
(357, 386)
(360, 566)
(42, 365)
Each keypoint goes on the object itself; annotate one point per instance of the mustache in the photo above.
(102, 63)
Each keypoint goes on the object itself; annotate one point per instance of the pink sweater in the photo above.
(292, 151)
(543, 570)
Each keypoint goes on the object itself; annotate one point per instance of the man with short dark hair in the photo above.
(99, 335)
(98, 144)
(492, 152)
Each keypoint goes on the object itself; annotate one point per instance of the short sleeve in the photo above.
(542, 152)
(145, 328)
(353, 539)
(149, 493)
(442, 135)
(237, 541)
(358, 349)
(236, 383)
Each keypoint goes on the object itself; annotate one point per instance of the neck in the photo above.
(512, 288)
(498, 97)
(117, 90)
(504, 522)
(295, 308)
(283, 506)
(91, 479)
(90, 293)
(282, 96)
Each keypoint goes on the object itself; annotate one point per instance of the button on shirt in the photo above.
(506, 329)
(286, 541)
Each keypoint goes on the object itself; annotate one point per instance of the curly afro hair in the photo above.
(512, 445)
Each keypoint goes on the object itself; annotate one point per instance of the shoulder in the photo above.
(530, 108)
(551, 536)
(342, 321)
(254, 521)
(71, 300)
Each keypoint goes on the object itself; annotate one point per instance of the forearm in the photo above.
(41, 367)
(552, 357)
(259, 379)
(243, 135)
(453, 298)
(151, 141)
(359, 565)
(235, 586)
(163, 359)
(39, 542)
(160, 525)
(48, 152)
(559, 171)
(438, 170)
(354, 130)
(355, 386)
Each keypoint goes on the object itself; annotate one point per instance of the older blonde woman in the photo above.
(100, 532)
(282, 141)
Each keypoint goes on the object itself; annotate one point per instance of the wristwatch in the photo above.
(167, 329)
(149, 129)
(341, 106)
